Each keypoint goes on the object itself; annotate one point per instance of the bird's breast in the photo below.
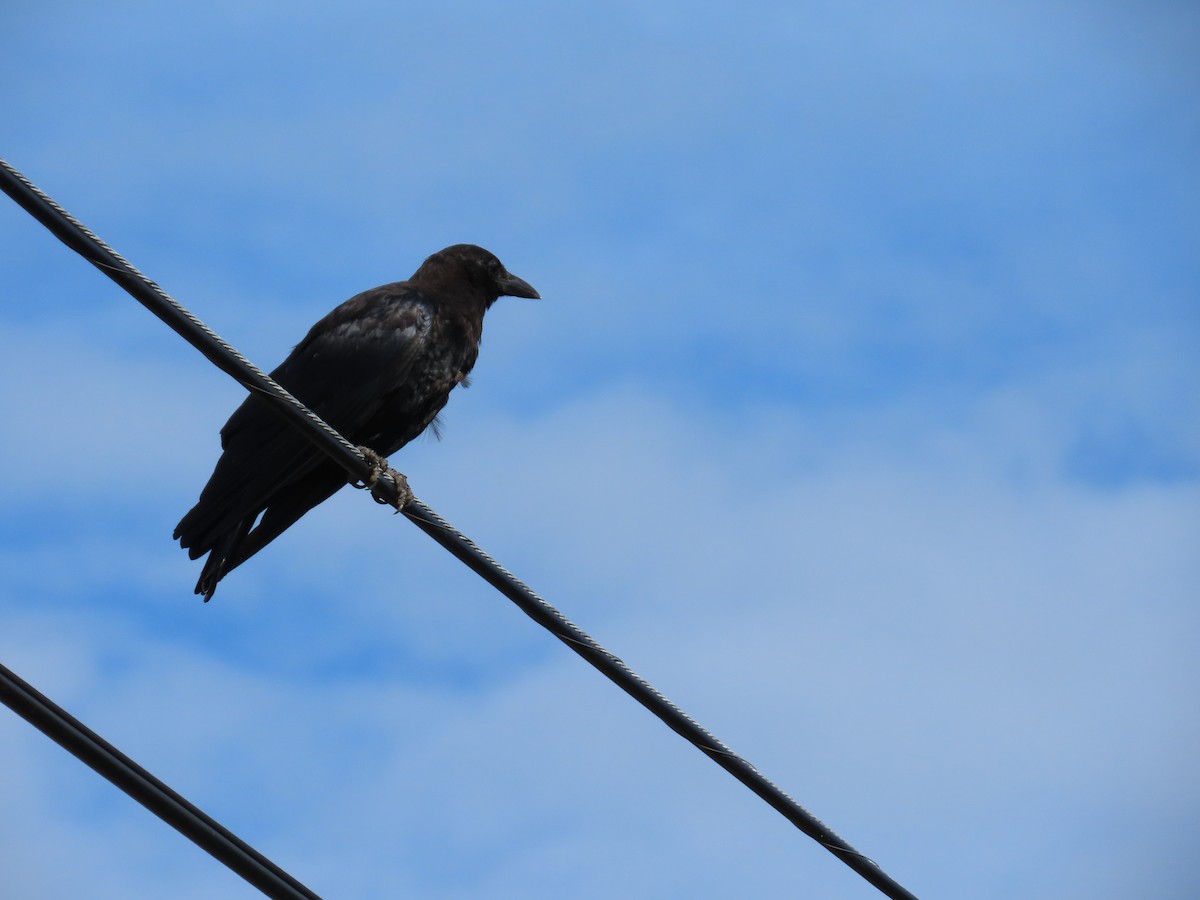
(444, 362)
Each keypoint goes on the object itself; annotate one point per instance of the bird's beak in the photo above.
(512, 286)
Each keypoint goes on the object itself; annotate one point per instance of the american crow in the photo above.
(378, 368)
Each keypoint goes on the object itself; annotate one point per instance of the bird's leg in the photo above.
(379, 468)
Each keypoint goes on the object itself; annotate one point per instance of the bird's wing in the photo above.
(354, 357)
(342, 370)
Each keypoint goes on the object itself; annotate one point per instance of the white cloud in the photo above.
(898, 642)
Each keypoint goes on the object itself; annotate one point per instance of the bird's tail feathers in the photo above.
(219, 557)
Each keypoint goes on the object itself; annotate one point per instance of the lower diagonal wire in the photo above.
(105, 759)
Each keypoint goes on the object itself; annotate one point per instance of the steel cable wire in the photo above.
(225, 357)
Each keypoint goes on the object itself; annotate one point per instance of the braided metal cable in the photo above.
(83, 241)
(617, 671)
(229, 360)
(106, 760)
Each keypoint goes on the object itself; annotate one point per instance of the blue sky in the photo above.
(861, 415)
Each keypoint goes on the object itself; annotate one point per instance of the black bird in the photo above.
(379, 369)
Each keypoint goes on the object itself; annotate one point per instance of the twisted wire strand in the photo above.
(109, 762)
(91, 247)
(614, 668)
(80, 239)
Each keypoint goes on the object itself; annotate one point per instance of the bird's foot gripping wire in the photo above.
(379, 468)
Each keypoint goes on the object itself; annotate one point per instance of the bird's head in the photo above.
(465, 269)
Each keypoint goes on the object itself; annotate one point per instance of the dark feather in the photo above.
(378, 368)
